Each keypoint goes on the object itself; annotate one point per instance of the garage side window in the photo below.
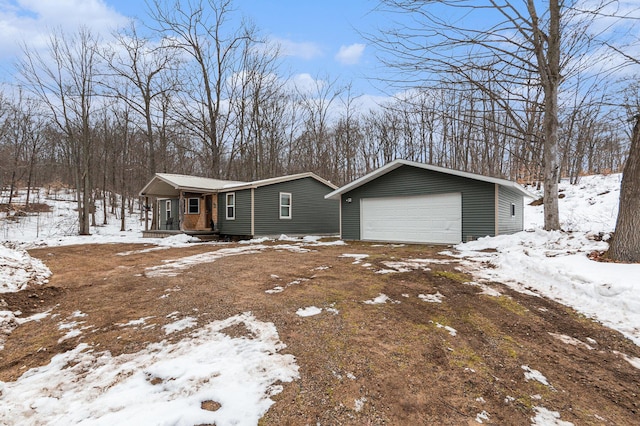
(231, 205)
(285, 205)
(513, 210)
(194, 206)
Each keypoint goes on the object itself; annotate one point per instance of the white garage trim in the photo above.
(435, 218)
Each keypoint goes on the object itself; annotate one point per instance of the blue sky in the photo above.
(321, 39)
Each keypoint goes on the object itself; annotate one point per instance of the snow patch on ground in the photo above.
(308, 311)
(380, 299)
(172, 268)
(571, 340)
(452, 331)
(280, 289)
(531, 374)
(546, 417)
(162, 384)
(136, 322)
(357, 257)
(634, 361)
(179, 325)
(408, 265)
(482, 416)
(359, 404)
(431, 298)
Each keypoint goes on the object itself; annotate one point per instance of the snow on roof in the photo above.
(399, 163)
(280, 179)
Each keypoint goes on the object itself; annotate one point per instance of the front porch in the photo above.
(203, 235)
(182, 204)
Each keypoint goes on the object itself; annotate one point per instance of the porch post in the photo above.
(181, 210)
(146, 213)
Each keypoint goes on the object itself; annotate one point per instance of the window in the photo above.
(513, 210)
(231, 205)
(168, 208)
(194, 206)
(285, 205)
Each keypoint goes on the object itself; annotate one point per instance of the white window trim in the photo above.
(227, 205)
(189, 205)
(513, 210)
(290, 205)
(167, 208)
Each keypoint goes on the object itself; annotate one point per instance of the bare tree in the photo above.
(142, 71)
(500, 46)
(625, 245)
(64, 80)
(257, 103)
(314, 146)
(203, 31)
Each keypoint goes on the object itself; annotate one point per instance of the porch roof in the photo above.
(170, 185)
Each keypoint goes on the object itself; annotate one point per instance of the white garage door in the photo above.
(416, 219)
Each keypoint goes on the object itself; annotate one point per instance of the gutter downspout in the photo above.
(497, 209)
(253, 226)
(340, 218)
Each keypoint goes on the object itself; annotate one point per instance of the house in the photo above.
(292, 205)
(411, 202)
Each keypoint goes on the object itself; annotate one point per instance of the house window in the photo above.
(194, 206)
(513, 210)
(231, 205)
(168, 208)
(285, 205)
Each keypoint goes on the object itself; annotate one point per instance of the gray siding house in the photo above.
(291, 205)
(411, 202)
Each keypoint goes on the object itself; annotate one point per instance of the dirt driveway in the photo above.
(437, 351)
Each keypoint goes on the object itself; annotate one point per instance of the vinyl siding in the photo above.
(478, 198)
(242, 223)
(310, 212)
(508, 224)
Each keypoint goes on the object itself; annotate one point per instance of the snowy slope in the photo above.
(555, 264)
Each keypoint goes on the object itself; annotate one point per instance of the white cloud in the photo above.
(304, 50)
(32, 20)
(350, 55)
(305, 83)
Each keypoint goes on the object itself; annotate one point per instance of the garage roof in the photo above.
(399, 163)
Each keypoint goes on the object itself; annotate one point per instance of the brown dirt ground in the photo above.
(409, 370)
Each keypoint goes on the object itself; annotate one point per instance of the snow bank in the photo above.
(18, 270)
(555, 264)
(589, 206)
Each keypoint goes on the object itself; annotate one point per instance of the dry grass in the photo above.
(393, 358)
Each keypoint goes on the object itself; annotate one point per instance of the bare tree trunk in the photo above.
(625, 245)
(548, 62)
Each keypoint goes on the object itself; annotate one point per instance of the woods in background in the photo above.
(204, 94)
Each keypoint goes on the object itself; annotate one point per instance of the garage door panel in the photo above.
(425, 218)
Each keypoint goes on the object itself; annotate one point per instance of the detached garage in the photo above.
(411, 202)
